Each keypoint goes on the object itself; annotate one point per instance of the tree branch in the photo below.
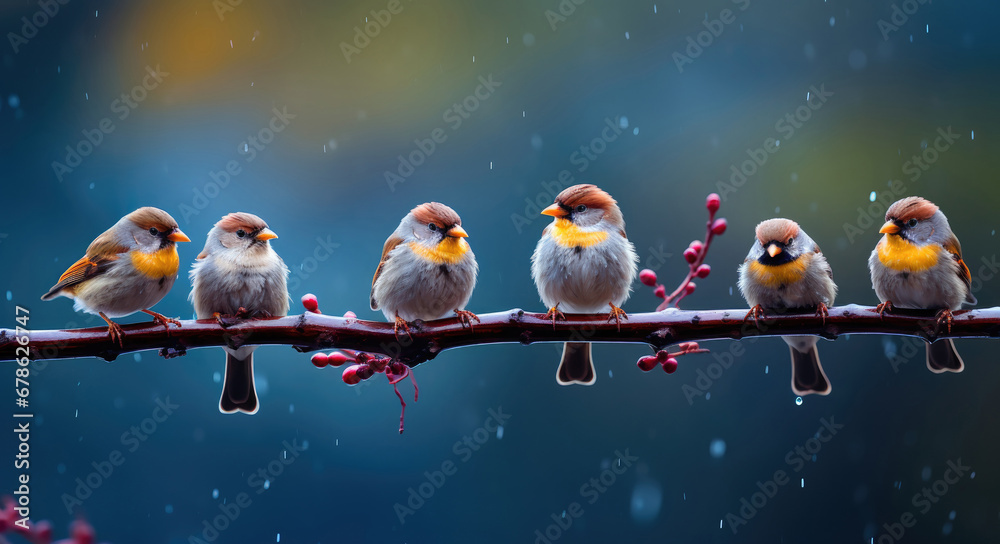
(313, 331)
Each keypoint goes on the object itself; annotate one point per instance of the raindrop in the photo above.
(798, 401)
(925, 474)
(928, 29)
(654, 8)
(765, 366)
(14, 101)
(611, 374)
(717, 448)
(803, 482)
(91, 185)
(291, 408)
(231, 44)
(267, 484)
(951, 515)
(279, 538)
(137, 356)
(973, 135)
(10, 295)
(215, 493)
(626, 35)
(216, 377)
(491, 165)
(833, 21)
(623, 122)
(871, 197)
(499, 432)
(708, 395)
(77, 414)
(647, 499)
(730, 290)
(635, 131)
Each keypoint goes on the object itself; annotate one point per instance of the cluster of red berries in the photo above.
(694, 255)
(667, 359)
(80, 531)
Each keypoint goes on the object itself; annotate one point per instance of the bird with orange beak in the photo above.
(127, 269)
(918, 264)
(427, 269)
(584, 262)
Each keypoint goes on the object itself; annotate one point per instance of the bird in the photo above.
(239, 275)
(427, 269)
(127, 269)
(584, 262)
(918, 264)
(785, 269)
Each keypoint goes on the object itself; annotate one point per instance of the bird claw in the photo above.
(617, 314)
(225, 321)
(756, 313)
(823, 312)
(162, 319)
(555, 314)
(946, 316)
(400, 322)
(884, 307)
(466, 317)
(115, 332)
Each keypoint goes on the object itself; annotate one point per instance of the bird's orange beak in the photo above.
(457, 232)
(266, 234)
(889, 228)
(178, 236)
(773, 250)
(555, 210)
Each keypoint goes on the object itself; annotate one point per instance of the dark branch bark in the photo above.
(311, 331)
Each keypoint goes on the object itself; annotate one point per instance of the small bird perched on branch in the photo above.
(127, 269)
(585, 262)
(427, 269)
(785, 269)
(918, 264)
(237, 275)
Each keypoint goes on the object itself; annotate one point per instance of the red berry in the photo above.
(337, 358)
(719, 227)
(696, 245)
(351, 376)
(670, 365)
(690, 288)
(703, 271)
(647, 363)
(350, 315)
(82, 532)
(310, 302)
(690, 255)
(647, 277)
(660, 291)
(713, 202)
(320, 360)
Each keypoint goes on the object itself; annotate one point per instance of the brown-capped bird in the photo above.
(785, 270)
(427, 270)
(127, 269)
(238, 274)
(585, 263)
(918, 264)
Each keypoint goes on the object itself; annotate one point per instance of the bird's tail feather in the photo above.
(576, 366)
(238, 391)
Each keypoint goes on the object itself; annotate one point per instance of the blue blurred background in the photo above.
(315, 107)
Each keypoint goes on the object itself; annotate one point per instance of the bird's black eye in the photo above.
(432, 226)
(153, 231)
(581, 208)
(790, 240)
(911, 223)
(241, 233)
